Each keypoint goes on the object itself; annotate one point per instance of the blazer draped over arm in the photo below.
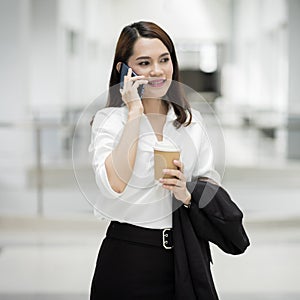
(212, 217)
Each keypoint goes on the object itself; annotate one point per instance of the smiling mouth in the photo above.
(157, 82)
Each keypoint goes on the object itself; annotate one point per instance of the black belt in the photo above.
(137, 234)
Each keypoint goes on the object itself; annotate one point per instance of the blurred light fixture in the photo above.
(208, 58)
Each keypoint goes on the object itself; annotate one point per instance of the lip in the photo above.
(157, 83)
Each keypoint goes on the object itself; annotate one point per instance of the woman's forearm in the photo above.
(120, 163)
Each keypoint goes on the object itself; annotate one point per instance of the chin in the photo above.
(155, 93)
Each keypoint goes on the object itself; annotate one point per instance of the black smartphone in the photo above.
(124, 72)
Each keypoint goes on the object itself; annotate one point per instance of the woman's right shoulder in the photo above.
(108, 116)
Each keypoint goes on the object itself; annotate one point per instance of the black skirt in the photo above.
(129, 269)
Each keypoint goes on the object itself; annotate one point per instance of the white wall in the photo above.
(14, 58)
(85, 73)
(60, 79)
(15, 152)
(45, 79)
(257, 75)
(294, 57)
(189, 19)
(293, 120)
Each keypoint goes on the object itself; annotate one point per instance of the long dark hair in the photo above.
(124, 49)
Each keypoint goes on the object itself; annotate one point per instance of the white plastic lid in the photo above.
(166, 146)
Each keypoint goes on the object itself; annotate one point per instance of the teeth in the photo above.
(155, 82)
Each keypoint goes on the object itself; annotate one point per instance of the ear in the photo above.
(118, 66)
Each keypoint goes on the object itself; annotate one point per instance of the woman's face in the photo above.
(152, 59)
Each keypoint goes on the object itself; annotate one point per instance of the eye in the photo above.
(144, 63)
(166, 59)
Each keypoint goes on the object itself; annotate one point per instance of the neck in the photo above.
(155, 106)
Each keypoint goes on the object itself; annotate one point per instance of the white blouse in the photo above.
(144, 202)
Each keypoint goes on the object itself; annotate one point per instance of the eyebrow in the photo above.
(148, 57)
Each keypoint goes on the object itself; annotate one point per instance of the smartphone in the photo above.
(124, 72)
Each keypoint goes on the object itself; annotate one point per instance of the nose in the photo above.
(156, 70)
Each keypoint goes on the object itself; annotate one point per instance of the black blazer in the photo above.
(212, 217)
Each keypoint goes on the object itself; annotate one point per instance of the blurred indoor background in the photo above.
(242, 56)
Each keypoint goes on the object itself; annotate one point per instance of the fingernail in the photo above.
(175, 160)
(165, 170)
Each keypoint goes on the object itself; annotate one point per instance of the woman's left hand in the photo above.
(178, 184)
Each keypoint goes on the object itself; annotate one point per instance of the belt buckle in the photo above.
(165, 235)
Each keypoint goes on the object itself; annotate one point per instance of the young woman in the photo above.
(136, 258)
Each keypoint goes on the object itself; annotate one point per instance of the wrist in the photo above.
(135, 107)
(135, 113)
(187, 202)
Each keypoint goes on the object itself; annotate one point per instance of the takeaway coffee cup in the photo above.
(164, 154)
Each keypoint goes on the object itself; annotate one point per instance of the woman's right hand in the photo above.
(130, 94)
